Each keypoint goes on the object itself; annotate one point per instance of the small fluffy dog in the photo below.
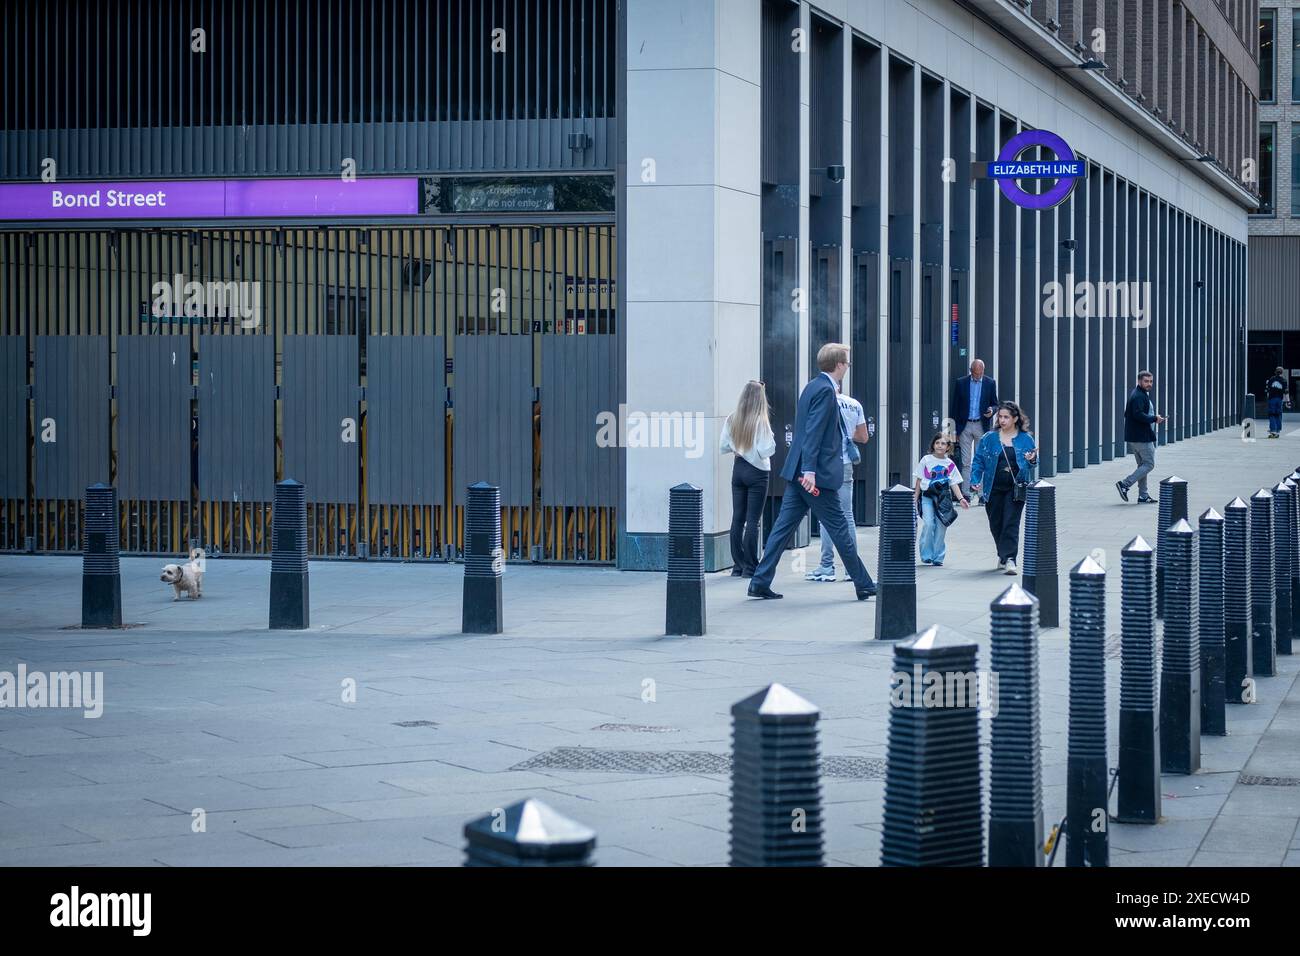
(186, 578)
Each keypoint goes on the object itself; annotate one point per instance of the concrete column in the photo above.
(693, 252)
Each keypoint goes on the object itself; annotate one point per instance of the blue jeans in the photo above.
(930, 541)
(1275, 414)
(846, 505)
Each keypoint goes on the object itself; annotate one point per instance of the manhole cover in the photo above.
(1255, 780)
(636, 728)
(123, 627)
(681, 761)
(415, 723)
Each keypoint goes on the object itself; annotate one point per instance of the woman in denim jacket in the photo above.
(1003, 456)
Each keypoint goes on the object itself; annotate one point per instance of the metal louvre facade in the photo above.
(385, 368)
(296, 87)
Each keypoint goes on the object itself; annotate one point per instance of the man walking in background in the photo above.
(1277, 396)
(815, 458)
(855, 424)
(1140, 419)
(974, 397)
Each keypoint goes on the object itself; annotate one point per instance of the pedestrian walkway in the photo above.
(210, 719)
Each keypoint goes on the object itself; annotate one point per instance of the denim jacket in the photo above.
(989, 449)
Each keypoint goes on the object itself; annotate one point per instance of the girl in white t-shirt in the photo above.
(938, 482)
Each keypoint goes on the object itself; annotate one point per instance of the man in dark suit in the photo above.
(816, 459)
(974, 397)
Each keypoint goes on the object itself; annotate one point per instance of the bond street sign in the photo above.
(1065, 169)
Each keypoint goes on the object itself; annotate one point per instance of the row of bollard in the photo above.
(290, 602)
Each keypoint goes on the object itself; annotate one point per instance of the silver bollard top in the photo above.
(1236, 503)
(1014, 596)
(1173, 479)
(531, 822)
(936, 637)
(1261, 495)
(775, 700)
(1209, 514)
(899, 488)
(1137, 546)
(1180, 527)
(1088, 568)
(1041, 483)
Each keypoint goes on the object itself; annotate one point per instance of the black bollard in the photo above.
(1293, 482)
(1139, 730)
(290, 594)
(480, 606)
(527, 833)
(1238, 659)
(1087, 777)
(1016, 778)
(896, 570)
(1039, 573)
(1180, 661)
(1263, 592)
(1284, 556)
(776, 792)
(1172, 509)
(101, 568)
(933, 801)
(1211, 615)
(685, 607)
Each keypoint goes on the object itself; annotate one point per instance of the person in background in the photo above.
(974, 397)
(1140, 419)
(748, 433)
(813, 465)
(855, 423)
(1276, 389)
(938, 482)
(1004, 458)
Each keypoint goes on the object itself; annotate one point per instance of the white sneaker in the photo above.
(1011, 567)
(821, 574)
(1002, 565)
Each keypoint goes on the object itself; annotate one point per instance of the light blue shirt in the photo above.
(976, 388)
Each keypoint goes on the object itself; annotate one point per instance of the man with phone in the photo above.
(1140, 419)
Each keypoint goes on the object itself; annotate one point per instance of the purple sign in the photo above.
(1025, 140)
(210, 199)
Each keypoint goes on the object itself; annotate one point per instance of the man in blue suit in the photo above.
(974, 397)
(815, 459)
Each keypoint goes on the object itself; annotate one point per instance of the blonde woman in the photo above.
(748, 433)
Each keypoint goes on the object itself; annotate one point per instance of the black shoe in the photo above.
(736, 573)
(1123, 492)
(865, 594)
(747, 574)
(1147, 500)
(766, 593)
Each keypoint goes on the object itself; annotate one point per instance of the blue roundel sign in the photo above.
(1008, 168)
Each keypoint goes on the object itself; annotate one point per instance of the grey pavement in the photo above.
(206, 710)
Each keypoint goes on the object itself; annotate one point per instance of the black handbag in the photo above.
(1020, 490)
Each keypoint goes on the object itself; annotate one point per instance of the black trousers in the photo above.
(1004, 520)
(748, 489)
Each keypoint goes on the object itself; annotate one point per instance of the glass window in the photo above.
(1295, 171)
(1295, 56)
(1266, 162)
(1267, 23)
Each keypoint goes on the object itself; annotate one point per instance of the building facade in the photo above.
(545, 243)
(1273, 319)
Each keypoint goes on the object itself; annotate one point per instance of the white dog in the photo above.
(186, 578)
